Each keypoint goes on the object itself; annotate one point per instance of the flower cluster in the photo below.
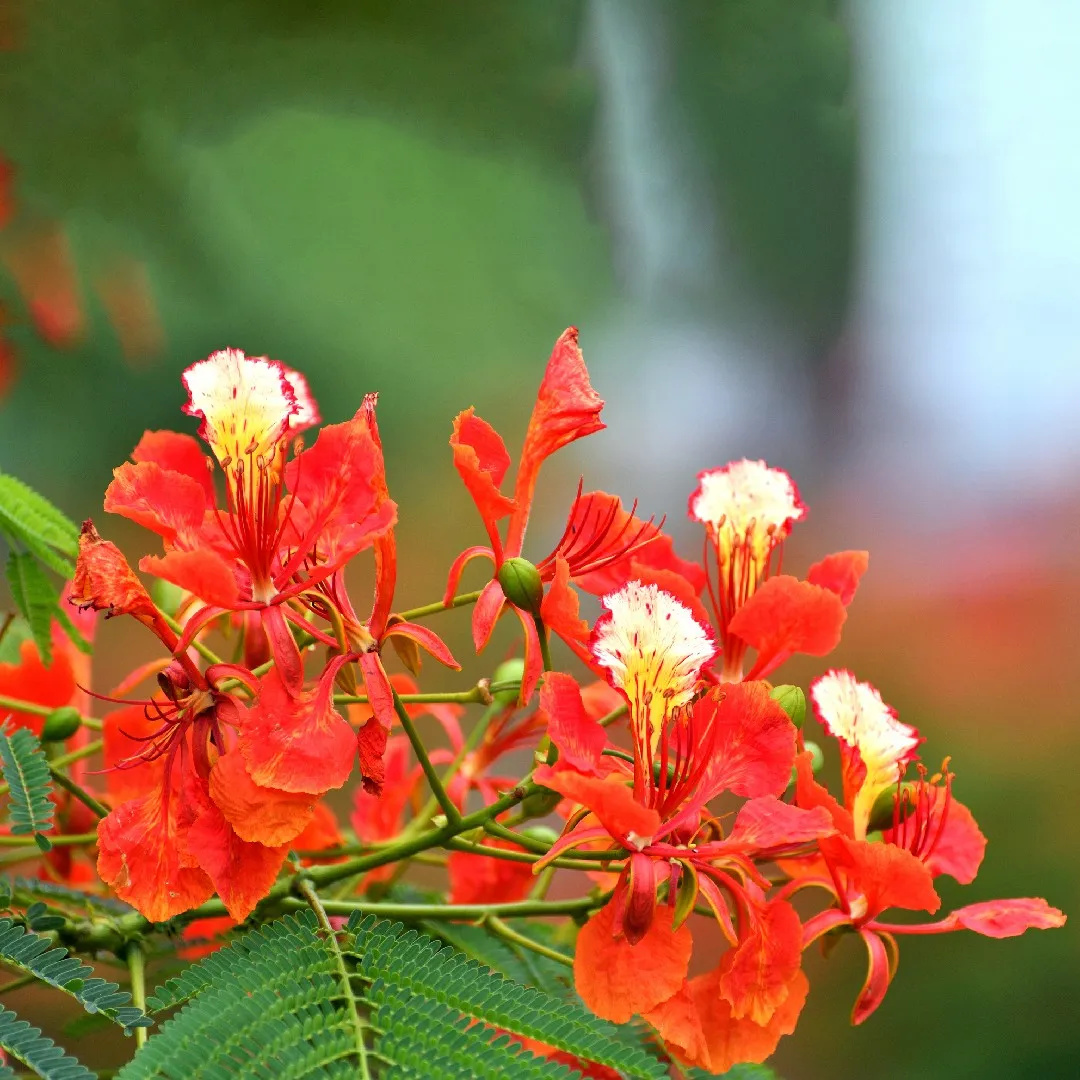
(684, 786)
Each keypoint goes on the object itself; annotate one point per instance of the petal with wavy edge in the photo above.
(203, 573)
(609, 799)
(168, 503)
(177, 453)
(756, 976)
(257, 814)
(580, 739)
(840, 573)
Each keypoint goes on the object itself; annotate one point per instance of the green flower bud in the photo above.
(817, 755)
(61, 724)
(509, 671)
(544, 833)
(521, 583)
(793, 701)
(540, 802)
(881, 815)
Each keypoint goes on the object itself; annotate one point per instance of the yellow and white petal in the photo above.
(855, 712)
(654, 650)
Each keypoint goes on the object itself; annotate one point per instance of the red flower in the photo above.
(748, 509)
(926, 833)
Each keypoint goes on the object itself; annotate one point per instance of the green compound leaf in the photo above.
(35, 598)
(272, 1004)
(27, 774)
(35, 523)
(39, 1054)
(35, 955)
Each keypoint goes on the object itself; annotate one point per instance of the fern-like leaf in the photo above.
(32, 520)
(274, 1003)
(35, 955)
(39, 1054)
(27, 890)
(35, 598)
(27, 774)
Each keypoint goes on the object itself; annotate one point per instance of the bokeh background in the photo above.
(844, 237)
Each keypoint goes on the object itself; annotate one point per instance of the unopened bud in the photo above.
(509, 671)
(544, 833)
(540, 803)
(521, 583)
(61, 724)
(792, 700)
(817, 755)
(883, 813)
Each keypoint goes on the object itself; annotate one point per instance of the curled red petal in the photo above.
(297, 741)
(887, 876)
(486, 612)
(881, 967)
(580, 738)
(204, 573)
(104, 581)
(177, 453)
(560, 611)
(567, 408)
(481, 460)
(616, 979)
(788, 616)
(840, 573)
(168, 503)
(427, 639)
(257, 814)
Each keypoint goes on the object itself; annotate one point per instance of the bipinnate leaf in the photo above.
(27, 774)
(272, 1004)
(32, 520)
(39, 1054)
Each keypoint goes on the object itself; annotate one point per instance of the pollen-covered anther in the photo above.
(747, 502)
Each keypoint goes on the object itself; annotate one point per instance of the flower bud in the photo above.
(544, 833)
(61, 724)
(882, 816)
(521, 583)
(793, 701)
(508, 671)
(540, 803)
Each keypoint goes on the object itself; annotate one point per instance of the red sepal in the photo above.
(882, 960)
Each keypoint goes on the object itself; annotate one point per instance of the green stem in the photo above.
(79, 793)
(616, 714)
(478, 694)
(412, 912)
(433, 609)
(453, 817)
(587, 860)
(136, 962)
(508, 933)
(305, 887)
(64, 840)
(208, 655)
(36, 709)
(545, 649)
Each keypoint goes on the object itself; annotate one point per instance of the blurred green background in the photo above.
(745, 207)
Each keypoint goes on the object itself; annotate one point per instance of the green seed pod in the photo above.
(793, 701)
(61, 724)
(521, 583)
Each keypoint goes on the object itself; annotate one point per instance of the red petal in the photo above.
(609, 799)
(486, 612)
(322, 832)
(124, 733)
(203, 573)
(580, 739)
(427, 639)
(142, 857)
(486, 879)
(296, 742)
(371, 738)
(960, 846)
(755, 741)
(177, 453)
(31, 680)
(567, 408)
(168, 503)
(881, 951)
(887, 875)
(560, 611)
(757, 976)
(1008, 918)
(616, 979)
(679, 1025)
(104, 581)
(534, 661)
(373, 818)
(788, 616)
(677, 584)
(768, 823)
(258, 814)
(481, 460)
(840, 573)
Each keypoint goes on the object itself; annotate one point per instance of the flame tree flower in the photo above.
(878, 861)
(689, 746)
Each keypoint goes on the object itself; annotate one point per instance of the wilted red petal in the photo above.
(611, 801)
(788, 616)
(296, 741)
(242, 872)
(730, 1042)
(754, 749)
(171, 504)
(481, 460)
(427, 639)
(486, 879)
(756, 977)
(840, 573)
(31, 680)
(177, 453)
(888, 876)
(1007, 918)
(377, 818)
(104, 581)
(143, 856)
(767, 823)
(258, 814)
(616, 979)
(881, 953)
(567, 408)
(204, 573)
(580, 739)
